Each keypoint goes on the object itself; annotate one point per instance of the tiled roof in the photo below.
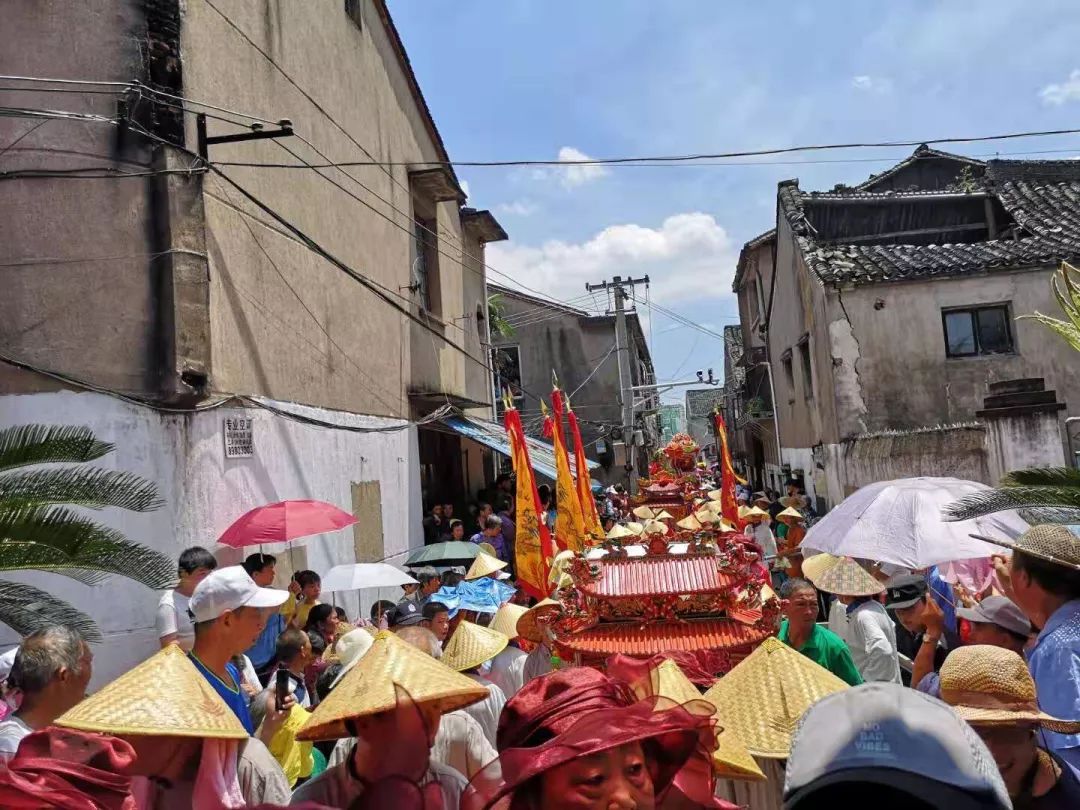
(753, 244)
(657, 637)
(1043, 197)
(921, 153)
(665, 574)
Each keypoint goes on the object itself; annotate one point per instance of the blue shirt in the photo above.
(1054, 662)
(231, 694)
(266, 644)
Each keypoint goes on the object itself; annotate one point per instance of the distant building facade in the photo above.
(672, 420)
(580, 348)
(700, 404)
(892, 306)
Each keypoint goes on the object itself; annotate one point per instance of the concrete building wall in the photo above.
(76, 251)
(204, 492)
(904, 375)
(285, 322)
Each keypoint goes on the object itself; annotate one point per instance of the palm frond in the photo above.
(93, 488)
(998, 500)
(92, 563)
(26, 609)
(1042, 477)
(1066, 287)
(1050, 514)
(76, 537)
(41, 444)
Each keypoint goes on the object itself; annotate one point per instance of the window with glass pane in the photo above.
(978, 330)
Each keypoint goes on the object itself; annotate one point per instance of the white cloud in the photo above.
(690, 257)
(518, 208)
(464, 187)
(872, 84)
(1058, 94)
(574, 175)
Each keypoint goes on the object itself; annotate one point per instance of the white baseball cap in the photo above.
(228, 589)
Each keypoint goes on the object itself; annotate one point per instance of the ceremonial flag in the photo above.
(533, 547)
(729, 507)
(584, 480)
(569, 520)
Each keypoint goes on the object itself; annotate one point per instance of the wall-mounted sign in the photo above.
(239, 437)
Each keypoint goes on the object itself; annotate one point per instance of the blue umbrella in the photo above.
(484, 595)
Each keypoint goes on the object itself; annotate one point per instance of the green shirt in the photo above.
(827, 649)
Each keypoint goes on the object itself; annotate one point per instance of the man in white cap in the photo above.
(229, 612)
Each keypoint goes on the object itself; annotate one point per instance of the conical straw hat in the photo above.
(716, 507)
(753, 512)
(527, 626)
(471, 645)
(763, 697)
(690, 523)
(731, 760)
(163, 696)
(814, 567)
(726, 528)
(706, 516)
(371, 688)
(715, 495)
(790, 515)
(848, 578)
(483, 565)
(664, 514)
(506, 619)
(618, 531)
(635, 528)
(743, 511)
(655, 527)
(643, 512)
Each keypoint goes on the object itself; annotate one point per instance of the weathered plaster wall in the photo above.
(1022, 441)
(906, 379)
(76, 253)
(285, 322)
(204, 493)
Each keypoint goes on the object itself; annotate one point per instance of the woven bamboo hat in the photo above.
(847, 578)
(506, 619)
(715, 494)
(527, 626)
(618, 531)
(371, 687)
(483, 565)
(763, 697)
(725, 528)
(487, 548)
(655, 527)
(471, 645)
(706, 515)
(689, 523)
(1052, 543)
(992, 686)
(791, 515)
(791, 501)
(635, 528)
(164, 696)
(752, 513)
(731, 760)
(814, 567)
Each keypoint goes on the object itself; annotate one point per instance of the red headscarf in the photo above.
(68, 769)
(579, 711)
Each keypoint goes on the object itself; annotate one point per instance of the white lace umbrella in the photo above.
(362, 576)
(901, 522)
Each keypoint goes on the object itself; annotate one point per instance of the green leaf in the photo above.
(74, 536)
(93, 488)
(1042, 477)
(41, 444)
(998, 500)
(26, 609)
(93, 562)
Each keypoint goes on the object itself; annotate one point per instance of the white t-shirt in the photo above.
(172, 617)
(487, 711)
(508, 670)
(12, 732)
(871, 635)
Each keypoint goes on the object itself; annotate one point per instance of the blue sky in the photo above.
(542, 78)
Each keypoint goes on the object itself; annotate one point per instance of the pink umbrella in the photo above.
(287, 520)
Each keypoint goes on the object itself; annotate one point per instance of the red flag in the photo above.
(729, 507)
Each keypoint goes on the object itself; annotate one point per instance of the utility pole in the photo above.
(618, 287)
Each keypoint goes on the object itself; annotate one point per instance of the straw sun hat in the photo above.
(484, 565)
(618, 532)
(506, 619)
(991, 686)
(371, 688)
(648, 513)
(814, 567)
(471, 645)
(689, 523)
(528, 627)
(847, 578)
(1052, 543)
(164, 696)
(731, 760)
(790, 515)
(763, 697)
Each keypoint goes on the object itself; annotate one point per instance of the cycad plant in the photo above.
(40, 530)
(1042, 495)
(497, 313)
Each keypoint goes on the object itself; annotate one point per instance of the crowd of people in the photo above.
(271, 697)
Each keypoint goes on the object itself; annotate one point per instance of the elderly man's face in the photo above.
(911, 617)
(802, 607)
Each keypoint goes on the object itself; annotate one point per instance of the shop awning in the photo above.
(493, 435)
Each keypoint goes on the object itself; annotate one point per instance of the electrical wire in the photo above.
(92, 173)
(592, 373)
(39, 124)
